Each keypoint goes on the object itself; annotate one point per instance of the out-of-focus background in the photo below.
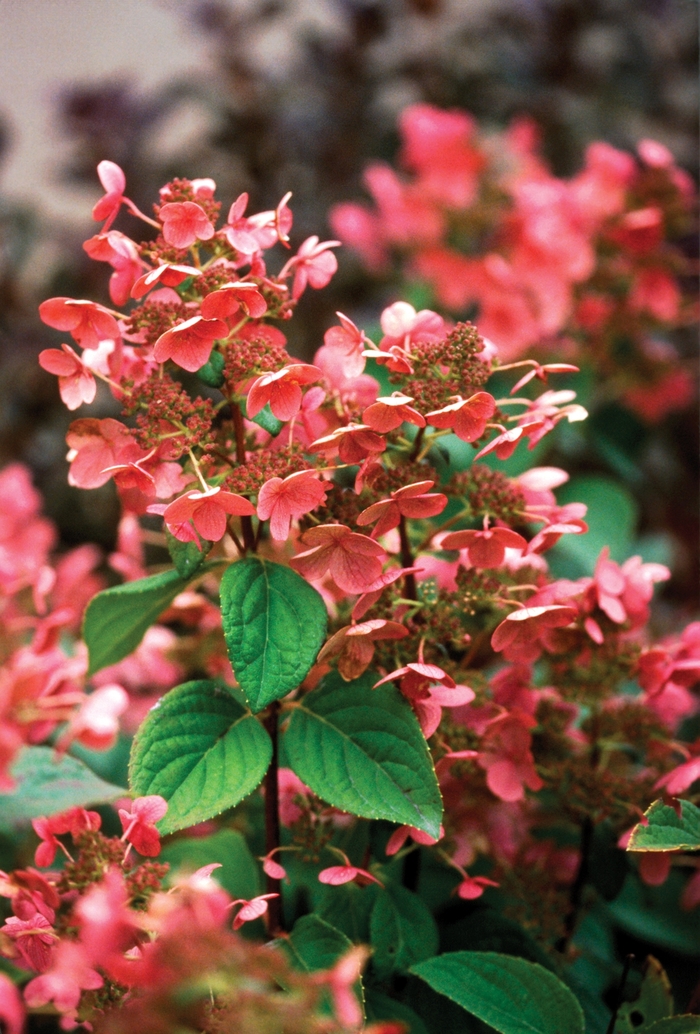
(276, 95)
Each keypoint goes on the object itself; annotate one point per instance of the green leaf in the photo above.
(314, 944)
(666, 830)
(187, 556)
(46, 786)
(212, 373)
(653, 914)
(274, 624)
(117, 619)
(653, 1002)
(673, 1025)
(239, 873)
(265, 419)
(348, 908)
(362, 750)
(382, 1007)
(201, 751)
(510, 994)
(402, 930)
(611, 518)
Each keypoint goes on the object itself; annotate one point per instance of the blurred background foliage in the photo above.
(299, 95)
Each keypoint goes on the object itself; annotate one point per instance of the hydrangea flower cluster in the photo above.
(584, 267)
(533, 708)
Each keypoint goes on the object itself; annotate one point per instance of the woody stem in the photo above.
(272, 823)
(410, 590)
(239, 433)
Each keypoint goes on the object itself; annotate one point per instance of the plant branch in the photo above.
(275, 924)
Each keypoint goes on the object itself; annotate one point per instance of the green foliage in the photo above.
(653, 1002)
(653, 914)
(666, 830)
(188, 557)
(239, 873)
(46, 786)
(212, 373)
(200, 750)
(382, 1007)
(402, 930)
(274, 624)
(314, 944)
(265, 419)
(348, 908)
(685, 1024)
(117, 619)
(510, 994)
(362, 750)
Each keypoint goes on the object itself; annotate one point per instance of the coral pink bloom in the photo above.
(281, 390)
(336, 875)
(410, 501)
(353, 443)
(75, 383)
(97, 722)
(96, 445)
(208, 511)
(640, 231)
(189, 344)
(73, 821)
(466, 417)
(485, 548)
(232, 297)
(681, 778)
(473, 887)
(314, 264)
(342, 984)
(70, 973)
(370, 597)
(507, 757)
(290, 789)
(354, 645)
(33, 938)
(139, 824)
(281, 500)
(354, 561)
(185, 222)
(542, 372)
(252, 909)
(168, 275)
(113, 180)
(272, 868)
(87, 322)
(402, 325)
(520, 636)
(11, 1009)
(399, 837)
(654, 867)
(386, 414)
(123, 256)
(346, 343)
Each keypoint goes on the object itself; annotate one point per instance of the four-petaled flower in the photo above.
(410, 501)
(281, 500)
(170, 274)
(281, 390)
(353, 443)
(466, 417)
(252, 909)
(208, 511)
(76, 383)
(87, 322)
(521, 635)
(232, 297)
(485, 548)
(189, 344)
(314, 264)
(113, 180)
(354, 560)
(139, 824)
(386, 414)
(185, 222)
(353, 645)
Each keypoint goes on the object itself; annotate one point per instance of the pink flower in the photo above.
(314, 264)
(386, 414)
(70, 973)
(167, 275)
(139, 824)
(485, 548)
(342, 981)
(279, 501)
(354, 645)
(473, 887)
(521, 635)
(123, 256)
(402, 325)
(409, 501)
(232, 297)
(399, 837)
(354, 561)
(466, 417)
(185, 222)
(281, 390)
(73, 821)
(681, 778)
(11, 1010)
(33, 938)
(251, 234)
(507, 758)
(95, 446)
(189, 344)
(370, 597)
(208, 511)
(336, 875)
(97, 722)
(75, 383)
(88, 322)
(113, 180)
(252, 909)
(353, 443)
(345, 343)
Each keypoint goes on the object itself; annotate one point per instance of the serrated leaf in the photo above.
(274, 625)
(314, 944)
(348, 908)
(212, 373)
(666, 830)
(201, 751)
(239, 873)
(510, 994)
(653, 914)
(654, 1000)
(402, 930)
(46, 786)
(685, 1024)
(362, 750)
(187, 556)
(117, 619)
